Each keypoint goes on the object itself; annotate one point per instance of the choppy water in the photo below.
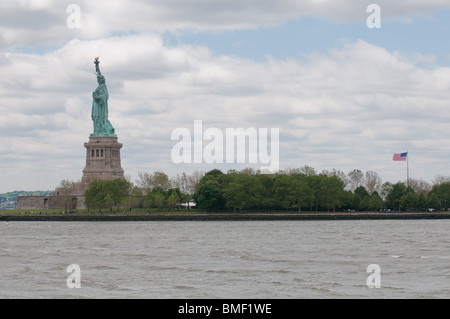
(226, 259)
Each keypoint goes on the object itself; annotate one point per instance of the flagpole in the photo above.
(407, 168)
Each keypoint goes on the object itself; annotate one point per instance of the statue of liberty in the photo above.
(99, 114)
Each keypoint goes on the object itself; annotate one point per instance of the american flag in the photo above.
(400, 157)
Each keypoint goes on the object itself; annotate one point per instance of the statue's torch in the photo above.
(97, 68)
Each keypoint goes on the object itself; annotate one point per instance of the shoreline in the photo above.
(223, 216)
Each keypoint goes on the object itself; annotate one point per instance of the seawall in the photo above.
(222, 216)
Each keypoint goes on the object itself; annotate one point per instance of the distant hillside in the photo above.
(9, 200)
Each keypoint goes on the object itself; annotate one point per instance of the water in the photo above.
(226, 259)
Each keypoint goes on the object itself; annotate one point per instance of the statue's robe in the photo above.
(99, 112)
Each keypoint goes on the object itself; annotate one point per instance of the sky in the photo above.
(344, 92)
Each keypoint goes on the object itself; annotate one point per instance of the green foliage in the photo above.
(235, 195)
(249, 190)
(242, 191)
(441, 195)
(156, 180)
(433, 201)
(361, 192)
(135, 197)
(106, 194)
(332, 191)
(215, 173)
(292, 191)
(396, 193)
(375, 202)
(408, 201)
(209, 194)
(173, 200)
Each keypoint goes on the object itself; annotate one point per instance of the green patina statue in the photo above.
(99, 114)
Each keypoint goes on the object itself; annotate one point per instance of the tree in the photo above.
(173, 199)
(66, 190)
(215, 173)
(289, 171)
(364, 203)
(375, 202)
(361, 192)
(242, 190)
(145, 182)
(154, 199)
(395, 194)
(255, 190)
(118, 189)
(248, 171)
(157, 179)
(372, 182)
(333, 189)
(95, 195)
(107, 193)
(433, 201)
(186, 183)
(209, 193)
(302, 193)
(339, 174)
(135, 197)
(316, 184)
(439, 179)
(186, 198)
(422, 202)
(234, 195)
(326, 191)
(385, 190)
(409, 201)
(361, 199)
(109, 201)
(307, 170)
(419, 186)
(442, 192)
(268, 200)
(149, 201)
(193, 181)
(158, 199)
(355, 179)
(284, 191)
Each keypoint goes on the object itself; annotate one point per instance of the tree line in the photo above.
(152, 191)
(307, 190)
(299, 190)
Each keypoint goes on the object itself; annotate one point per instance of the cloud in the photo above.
(351, 107)
(44, 23)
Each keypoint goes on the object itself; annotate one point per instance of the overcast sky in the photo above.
(343, 96)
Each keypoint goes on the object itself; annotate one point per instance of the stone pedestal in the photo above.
(102, 159)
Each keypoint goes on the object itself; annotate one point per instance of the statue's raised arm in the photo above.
(97, 68)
